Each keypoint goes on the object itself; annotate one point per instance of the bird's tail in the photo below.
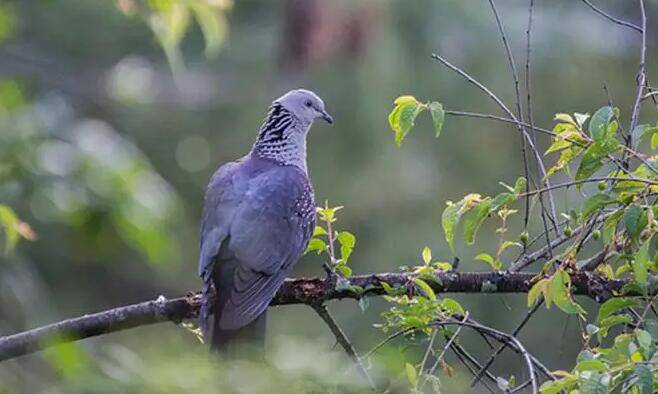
(242, 341)
(246, 340)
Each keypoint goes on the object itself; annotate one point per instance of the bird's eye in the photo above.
(308, 103)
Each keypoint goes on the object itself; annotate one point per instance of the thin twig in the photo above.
(500, 348)
(521, 386)
(589, 180)
(531, 143)
(342, 339)
(504, 338)
(533, 133)
(462, 356)
(427, 352)
(650, 94)
(500, 119)
(385, 341)
(630, 151)
(593, 262)
(519, 111)
(612, 18)
(443, 352)
(641, 78)
(526, 260)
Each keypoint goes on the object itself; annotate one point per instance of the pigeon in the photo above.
(257, 220)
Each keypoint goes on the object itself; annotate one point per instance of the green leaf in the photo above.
(519, 185)
(580, 118)
(449, 220)
(564, 118)
(644, 131)
(635, 220)
(651, 325)
(429, 293)
(558, 145)
(643, 338)
(212, 24)
(593, 157)
(566, 157)
(474, 219)
(557, 386)
(169, 24)
(644, 378)
(610, 322)
(598, 125)
(610, 225)
(614, 305)
(452, 307)
(438, 116)
(536, 289)
(319, 231)
(507, 244)
(501, 200)
(344, 270)
(442, 266)
(402, 117)
(328, 214)
(347, 241)
(412, 375)
(317, 245)
(389, 289)
(654, 140)
(641, 263)
(427, 255)
(595, 203)
(559, 290)
(592, 383)
(487, 258)
(9, 223)
(591, 365)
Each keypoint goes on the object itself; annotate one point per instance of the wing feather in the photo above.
(267, 236)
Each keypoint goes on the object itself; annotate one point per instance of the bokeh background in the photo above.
(110, 129)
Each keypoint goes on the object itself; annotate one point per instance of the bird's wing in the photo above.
(268, 234)
(221, 201)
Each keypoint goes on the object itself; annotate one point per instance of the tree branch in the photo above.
(310, 291)
(342, 339)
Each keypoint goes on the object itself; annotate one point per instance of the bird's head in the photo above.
(305, 105)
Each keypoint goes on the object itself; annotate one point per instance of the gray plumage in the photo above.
(258, 216)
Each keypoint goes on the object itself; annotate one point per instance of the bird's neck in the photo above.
(282, 138)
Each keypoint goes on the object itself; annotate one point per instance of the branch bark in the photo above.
(310, 291)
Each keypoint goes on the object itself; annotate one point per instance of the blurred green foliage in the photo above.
(82, 173)
(171, 20)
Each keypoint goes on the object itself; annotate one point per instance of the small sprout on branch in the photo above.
(345, 239)
(407, 108)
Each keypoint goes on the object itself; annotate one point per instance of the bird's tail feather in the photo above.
(236, 342)
(247, 339)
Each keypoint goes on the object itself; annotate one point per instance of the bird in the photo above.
(258, 217)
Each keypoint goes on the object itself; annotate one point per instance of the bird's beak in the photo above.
(324, 115)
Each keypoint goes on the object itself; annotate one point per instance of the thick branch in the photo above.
(308, 291)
